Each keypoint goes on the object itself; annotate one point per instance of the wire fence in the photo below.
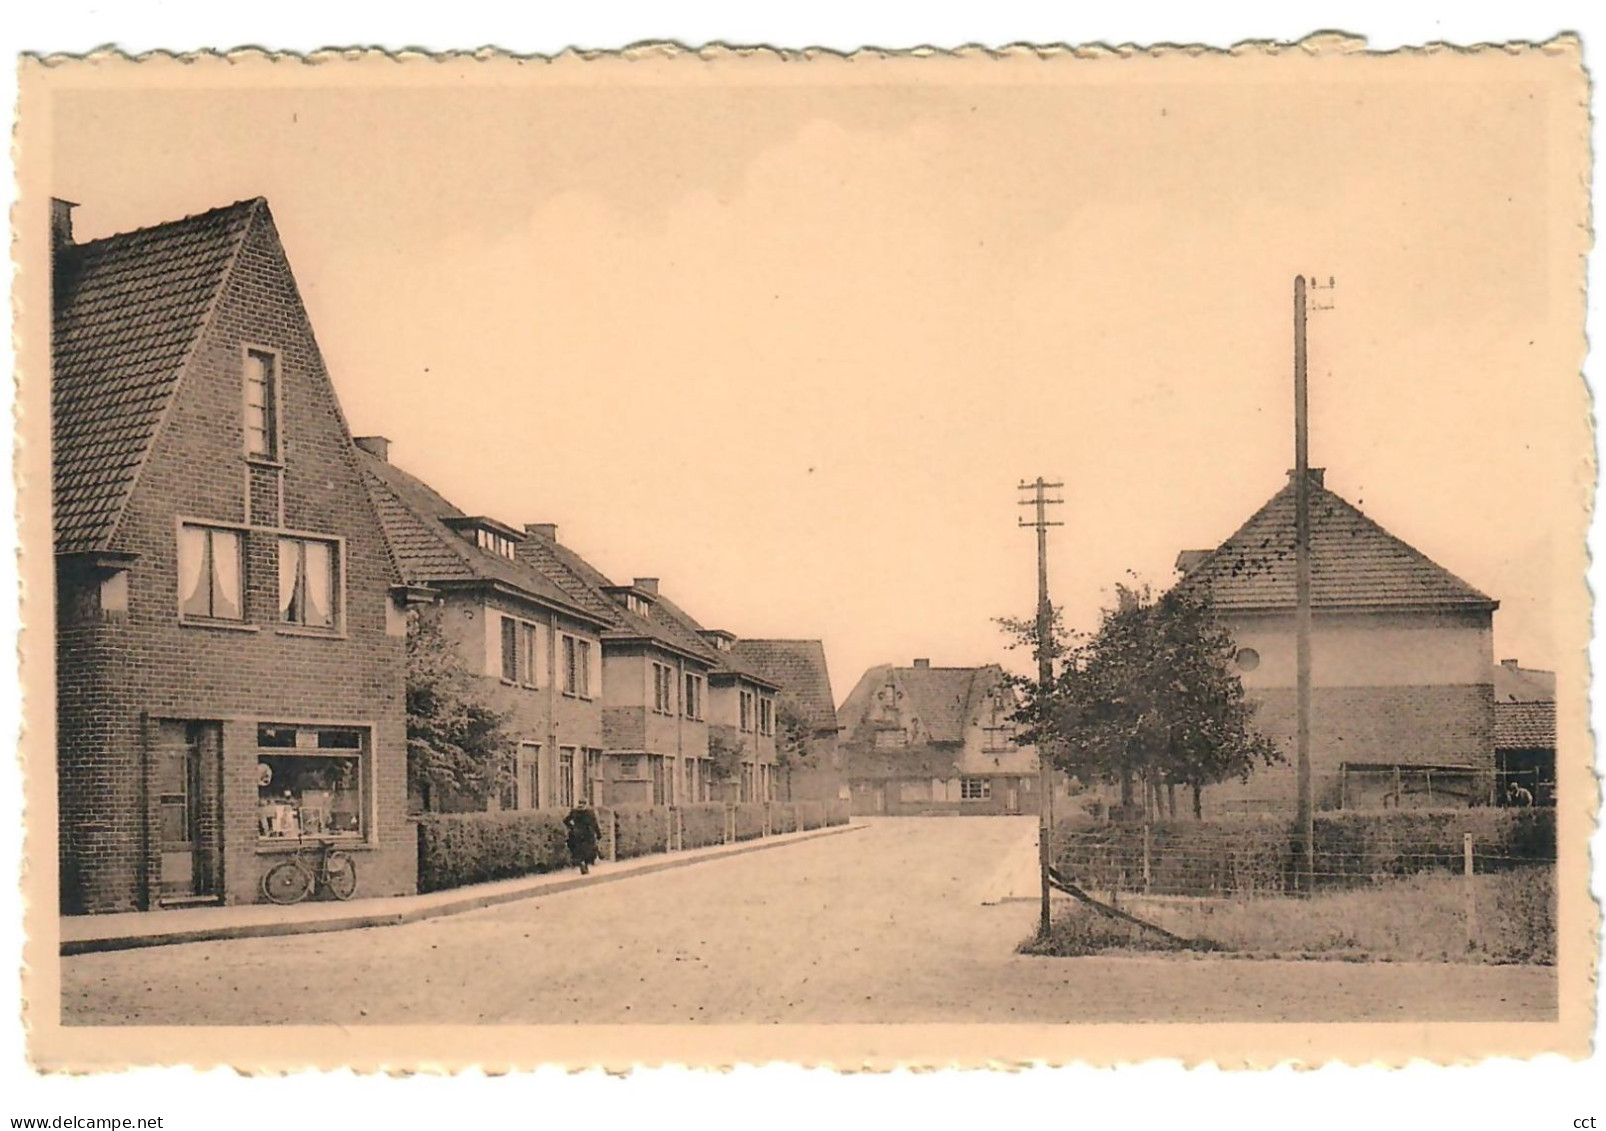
(1412, 884)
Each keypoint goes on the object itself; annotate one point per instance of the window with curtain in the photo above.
(261, 404)
(209, 574)
(308, 590)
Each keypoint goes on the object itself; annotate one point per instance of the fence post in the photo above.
(613, 834)
(1470, 891)
(1146, 873)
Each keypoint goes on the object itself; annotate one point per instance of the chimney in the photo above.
(922, 662)
(1509, 665)
(647, 584)
(61, 223)
(1317, 476)
(547, 530)
(376, 446)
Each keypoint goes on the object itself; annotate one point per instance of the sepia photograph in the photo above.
(741, 555)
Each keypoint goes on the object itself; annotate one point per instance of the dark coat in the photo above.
(584, 832)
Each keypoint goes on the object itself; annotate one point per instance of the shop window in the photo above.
(310, 782)
(209, 574)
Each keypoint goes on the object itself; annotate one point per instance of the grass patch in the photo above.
(1420, 918)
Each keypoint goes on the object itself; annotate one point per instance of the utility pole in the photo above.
(1045, 677)
(1306, 810)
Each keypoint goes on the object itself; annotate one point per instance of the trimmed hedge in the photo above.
(702, 824)
(749, 819)
(1241, 856)
(455, 849)
(470, 848)
(642, 830)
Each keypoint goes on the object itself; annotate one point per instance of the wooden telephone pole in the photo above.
(1306, 812)
(1045, 678)
(1305, 816)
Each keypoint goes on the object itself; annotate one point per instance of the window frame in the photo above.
(208, 527)
(692, 696)
(974, 789)
(766, 715)
(366, 835)
(337, 583)
(746, 710)
(273, 407)
(663, 688)
(565, 793)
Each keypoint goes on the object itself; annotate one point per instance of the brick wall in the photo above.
(1423, 725)
(119, 673)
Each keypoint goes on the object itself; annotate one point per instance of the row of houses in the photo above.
(235, 580)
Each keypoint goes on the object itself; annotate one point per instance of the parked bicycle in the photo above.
(293, 879)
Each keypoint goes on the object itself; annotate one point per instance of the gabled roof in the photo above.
(415, 519)
(1355, 563)
(941, 699)
(798, 666)
(724, 663)
(129, 309)
(1525, 726)
(585, 584)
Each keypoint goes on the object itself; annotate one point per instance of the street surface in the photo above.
(886, 924)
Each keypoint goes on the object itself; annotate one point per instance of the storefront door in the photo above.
(188, 764)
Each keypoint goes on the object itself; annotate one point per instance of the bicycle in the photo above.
(292, 880)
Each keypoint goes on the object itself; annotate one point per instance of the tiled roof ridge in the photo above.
(1470, 595)
(249, 203)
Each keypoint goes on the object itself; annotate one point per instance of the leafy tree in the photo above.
(1150, 699)
(725, 755)
(457, 743)
(793, 730)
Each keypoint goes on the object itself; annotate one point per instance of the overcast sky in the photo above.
(789, 346)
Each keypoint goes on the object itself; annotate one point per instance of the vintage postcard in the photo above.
(726, 556)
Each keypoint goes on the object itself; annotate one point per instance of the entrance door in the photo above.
(188, 761)
(1012, 799)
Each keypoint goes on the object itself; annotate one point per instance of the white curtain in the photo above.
(289, 580)
(191, 572)
(226, 574)
(320, 611)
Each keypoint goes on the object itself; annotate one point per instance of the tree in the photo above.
(793, 730)
(1150, 700)
(457, 744)
(725, 755)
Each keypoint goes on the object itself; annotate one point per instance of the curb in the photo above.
(399, 917)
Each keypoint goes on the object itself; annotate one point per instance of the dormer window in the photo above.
(488, 534)
(495, 543)
(637, 604)
(261, 404)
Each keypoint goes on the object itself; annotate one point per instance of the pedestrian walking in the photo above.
(584, 833)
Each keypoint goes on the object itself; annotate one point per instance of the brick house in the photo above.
(1402, 660)
(536, 651)
(658, 678)
(799, 668)
(743, 713)
(229, 642)
(925, 740)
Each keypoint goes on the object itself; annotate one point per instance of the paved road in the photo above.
(882, 925)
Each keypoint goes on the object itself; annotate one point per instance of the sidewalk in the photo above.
(85, 934)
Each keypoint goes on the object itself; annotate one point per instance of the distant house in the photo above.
(925, 740)
(799, 668)
(229, 623)
(1403, 706)
(666, 690)
(536, 650)
(1525, 730)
